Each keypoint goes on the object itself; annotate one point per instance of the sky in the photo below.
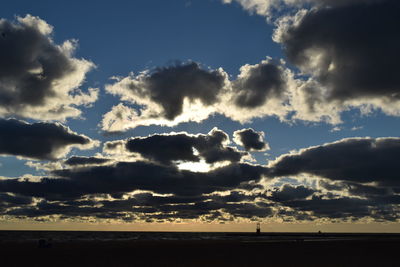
(201, 115)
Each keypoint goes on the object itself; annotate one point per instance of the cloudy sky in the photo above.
(200, 115)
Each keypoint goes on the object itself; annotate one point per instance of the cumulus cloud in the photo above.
(10, 201)
(260, 90)
(124, 177)
(173, 147)
(149, 207)
(360, 201)
(353, 179)
(350, 54)
(44, 141)
(170, 194)
(77, 160)
(260, 7)
(168, 95)
(362, 160)
(357, 180)
(121, 118)
(343, 65)
(337, 208)
(338, 72)
(180, 93)
(136, 191)
(353, 188)
(289, 192)
(257, 83)
(333, 3)
(38, 78)
(269, 8)
(251, 140)
(14, 199)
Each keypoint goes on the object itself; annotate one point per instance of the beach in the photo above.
(372, 251)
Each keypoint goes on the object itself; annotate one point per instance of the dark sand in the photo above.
(369, 252)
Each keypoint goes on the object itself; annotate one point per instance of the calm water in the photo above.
(67, 236)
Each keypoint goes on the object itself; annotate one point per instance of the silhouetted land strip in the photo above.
(293, 250)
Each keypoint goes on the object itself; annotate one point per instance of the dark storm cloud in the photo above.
(368, 191)
(44, 208)
(378, 208)
(163, 203)
(249, 186)
(242, 210)
(247, 210)
(234, 196)
(13, 201)
(36, 75)
(169, 86)
(333, 208)
(148, 206)
(259, 83)
(76, 160)
(8, 201)
(356, 189)
(165, 148)
(250, 139)
(83, 192)
(148, 199)
(351, 50)
(38, 140)
(289, 192)
(361, 160)
(376, 204)
(129, 176)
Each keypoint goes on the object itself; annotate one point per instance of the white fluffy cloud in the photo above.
(336, 71)
(268, 8)
(172, 95)
(260, 7)
(165, 96)
(38, 78)
(349, 65)
(260, 90)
